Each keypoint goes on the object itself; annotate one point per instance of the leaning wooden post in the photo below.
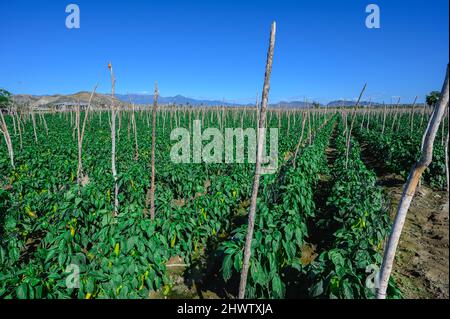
(113, 142)
(349, 131)
(299, 140)
(412, 115)
(34, 125)
(261, 138)
(81, 137)
(410, 188)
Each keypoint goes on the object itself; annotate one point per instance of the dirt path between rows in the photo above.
(421, 266)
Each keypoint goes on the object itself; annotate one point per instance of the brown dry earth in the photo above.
(421, 267)
(422, 262)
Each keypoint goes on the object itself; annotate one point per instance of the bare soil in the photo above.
(421, 267)
(422, 262)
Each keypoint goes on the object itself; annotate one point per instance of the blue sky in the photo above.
(217, 49)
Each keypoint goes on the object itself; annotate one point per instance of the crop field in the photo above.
(217, 158)
(322, 217)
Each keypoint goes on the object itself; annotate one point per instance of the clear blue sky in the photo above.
(217, 49)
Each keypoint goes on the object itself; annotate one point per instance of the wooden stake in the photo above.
(113, 142)
(261, 135)
(300, 139)
(412, 115)
(34, 126)
(349, 131)
(81, 137)
(19, 128)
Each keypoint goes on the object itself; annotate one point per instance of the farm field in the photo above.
(322, 218)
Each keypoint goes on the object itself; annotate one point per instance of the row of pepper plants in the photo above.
(400, 149)
(359, 212)
(284, 204)
(49, 224)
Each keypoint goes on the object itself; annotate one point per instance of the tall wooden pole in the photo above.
(113, 141)
(261, 138)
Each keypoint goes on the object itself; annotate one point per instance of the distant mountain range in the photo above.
(58, 99)
(147, 99)
(182, 100)
(177, 99)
